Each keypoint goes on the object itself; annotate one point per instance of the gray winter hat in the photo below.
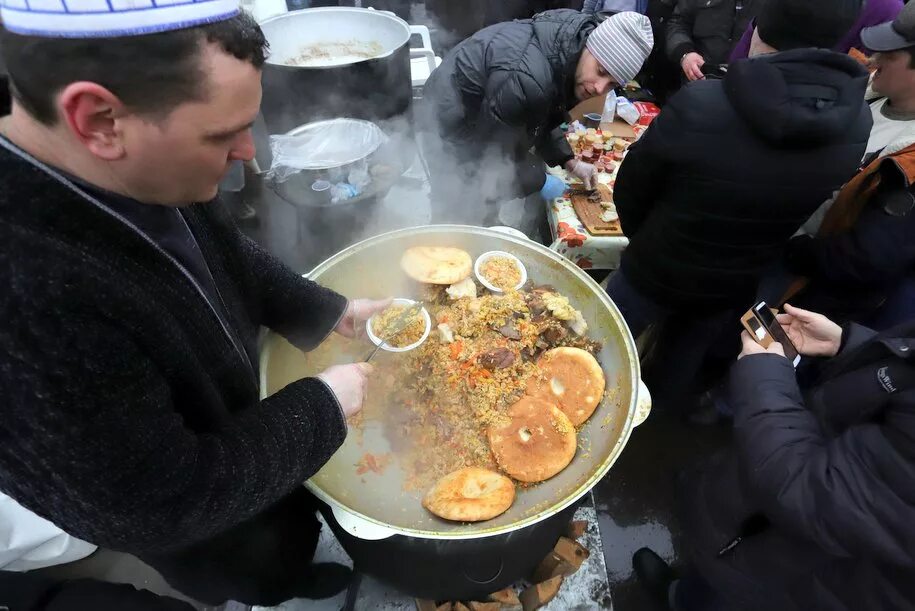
(893, 36)
(621, 44)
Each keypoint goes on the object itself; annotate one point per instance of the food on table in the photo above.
(465, 288)
(471, 494)
(388, 326)
(536, 443)
(436, 264)
(501, 272)
(572, 379)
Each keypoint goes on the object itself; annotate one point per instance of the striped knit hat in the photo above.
(621, 44)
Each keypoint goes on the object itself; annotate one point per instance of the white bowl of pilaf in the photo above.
(380, 326)
(500, 272)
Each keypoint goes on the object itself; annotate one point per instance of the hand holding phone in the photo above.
(813, 334)
(762, 326)
(752, 346)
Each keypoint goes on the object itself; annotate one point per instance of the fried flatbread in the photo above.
(436, 264)
(470, 495)
(571, 378)
(537, 443)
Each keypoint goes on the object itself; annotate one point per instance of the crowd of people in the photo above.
(781, 168)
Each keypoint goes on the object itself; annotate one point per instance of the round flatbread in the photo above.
(571, 378)
(470, 495)
(537, 443)
(436, 264)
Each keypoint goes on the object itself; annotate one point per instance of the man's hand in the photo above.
(348, 383)
(357, 312)
(812, 334)
(751, 346)
(692, 66)
(584, 171)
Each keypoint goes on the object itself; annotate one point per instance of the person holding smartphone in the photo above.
(813, 506)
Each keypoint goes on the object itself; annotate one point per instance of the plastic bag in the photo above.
(322, 146)
(609, 113)
(628, 112)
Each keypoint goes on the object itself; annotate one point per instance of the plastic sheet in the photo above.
(324, 145)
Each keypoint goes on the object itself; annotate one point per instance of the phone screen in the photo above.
(767, 319)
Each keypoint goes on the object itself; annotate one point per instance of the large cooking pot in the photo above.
(375, 507)
(336, 61)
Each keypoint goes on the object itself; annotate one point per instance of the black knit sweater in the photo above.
(128, 416)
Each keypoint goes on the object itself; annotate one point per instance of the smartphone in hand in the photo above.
(761, 324)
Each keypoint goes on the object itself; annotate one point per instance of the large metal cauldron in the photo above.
(385, 529)
(365, 74)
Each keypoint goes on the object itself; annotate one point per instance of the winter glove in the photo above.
(583, 171)
(553, 187)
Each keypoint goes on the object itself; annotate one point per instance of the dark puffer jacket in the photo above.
(504, 90)
(711, 28)
(831, 468)
(130, 418)
(731, 169)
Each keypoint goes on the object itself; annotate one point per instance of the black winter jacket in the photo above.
(711, 28)
(730, 169)
(831, 468)
(129, 417)
(505, 90)
(853, 274)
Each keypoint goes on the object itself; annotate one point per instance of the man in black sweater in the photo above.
(130, 307)
(731, 169)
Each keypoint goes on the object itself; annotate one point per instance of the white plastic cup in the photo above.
(498, 253)
(379, 342)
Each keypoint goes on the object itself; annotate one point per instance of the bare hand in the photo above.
(692, 66)
(751, 346)
(812, 334)
(583, 171)
(357, 312)
(348, 383)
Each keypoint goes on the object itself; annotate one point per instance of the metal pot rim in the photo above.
(634, 416)
(345, 10)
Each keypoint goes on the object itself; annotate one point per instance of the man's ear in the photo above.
(91, 112)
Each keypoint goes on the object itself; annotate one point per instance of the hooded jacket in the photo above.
(731, 169)
(503, 91)
(830, 467)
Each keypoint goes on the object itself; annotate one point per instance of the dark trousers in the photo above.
(684, 344)
(264, 561)
(28, 592)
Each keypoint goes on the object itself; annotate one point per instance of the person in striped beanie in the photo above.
(620, 45)
(503, 92)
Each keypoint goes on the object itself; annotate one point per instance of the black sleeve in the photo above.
(680, 31)
(641, 175)
(300, 310)
(875, 253)
(831, 491)
(554, 148)
(91, 440)
(514, 104)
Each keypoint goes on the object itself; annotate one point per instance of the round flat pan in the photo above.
(371, 269)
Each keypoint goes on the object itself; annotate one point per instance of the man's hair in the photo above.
(150, 74)
(911, 52)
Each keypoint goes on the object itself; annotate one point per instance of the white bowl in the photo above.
(498, 253)
(378, 341)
